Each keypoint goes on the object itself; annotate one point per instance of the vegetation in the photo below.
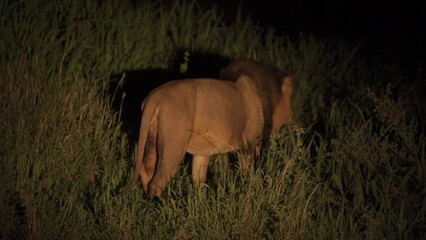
(350, 165)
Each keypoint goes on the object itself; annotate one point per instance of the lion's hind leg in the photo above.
(169, 159)
(172, 142)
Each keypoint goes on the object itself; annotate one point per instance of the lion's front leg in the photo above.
(199, 168)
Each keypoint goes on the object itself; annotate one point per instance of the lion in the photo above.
(205, 117)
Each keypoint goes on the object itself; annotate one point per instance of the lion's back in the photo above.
(207, 97)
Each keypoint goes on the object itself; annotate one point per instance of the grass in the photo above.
(350, 165)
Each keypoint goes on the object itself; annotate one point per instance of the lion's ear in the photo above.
(287, 87)
(286, 91)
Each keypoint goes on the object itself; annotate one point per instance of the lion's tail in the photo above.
(148, 112)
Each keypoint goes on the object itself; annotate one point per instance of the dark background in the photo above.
(393, 30)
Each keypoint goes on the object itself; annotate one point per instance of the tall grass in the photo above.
(373, 171)
(58, 152)
(351, 165)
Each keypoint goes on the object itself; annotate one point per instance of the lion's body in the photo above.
(202, 117)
